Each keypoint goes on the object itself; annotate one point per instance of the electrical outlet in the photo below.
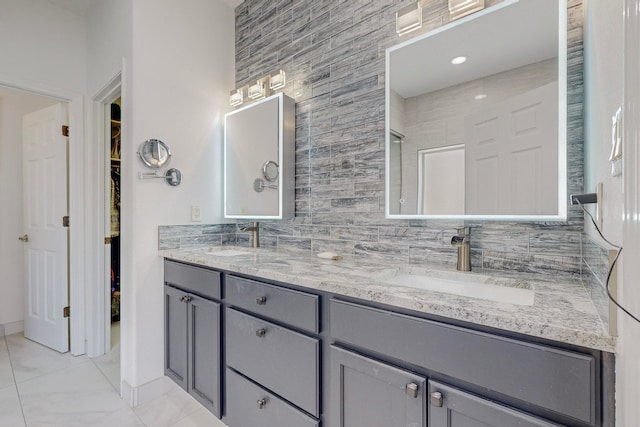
(196, 213)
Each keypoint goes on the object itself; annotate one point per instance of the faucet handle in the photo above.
(463, 231)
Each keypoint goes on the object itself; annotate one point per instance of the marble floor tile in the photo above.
(109, 365)
(168, 409)
(200, 418)
(6, 374)
(10, 409)
(31, 360)
(77, 395)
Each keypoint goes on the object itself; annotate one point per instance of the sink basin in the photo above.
(466, 287)
(227, 252)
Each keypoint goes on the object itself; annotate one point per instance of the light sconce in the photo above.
(237, 97)
(460, 8)
(409, 19)
(277, 80)
(257, 90)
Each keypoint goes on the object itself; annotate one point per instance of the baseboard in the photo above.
(136, 396)
(11, 328)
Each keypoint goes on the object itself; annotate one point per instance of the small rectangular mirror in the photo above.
(476, 117)
(259, 159)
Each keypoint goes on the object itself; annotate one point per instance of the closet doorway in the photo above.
(115, 132)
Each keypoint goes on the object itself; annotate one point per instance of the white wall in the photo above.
(13, 105)
(180, 75)
(604, 93)
(603, 96)
(42, 44)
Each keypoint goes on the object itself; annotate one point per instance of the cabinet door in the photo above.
(368, 393)
(204, 352)
(451, 407)
(175, 335)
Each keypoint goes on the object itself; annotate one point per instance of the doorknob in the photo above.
(24, 238)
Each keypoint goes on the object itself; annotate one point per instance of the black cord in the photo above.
(613, 264)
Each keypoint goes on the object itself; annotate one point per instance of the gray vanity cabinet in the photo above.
(192, 333)
(451, 407)
(270, 351)
(368, 393)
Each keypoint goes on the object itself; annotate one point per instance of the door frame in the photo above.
(100, 290)
(76, 194)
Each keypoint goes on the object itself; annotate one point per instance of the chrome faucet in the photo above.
(462, 241)
(255, 234)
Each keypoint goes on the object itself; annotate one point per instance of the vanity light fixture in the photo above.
(460, 8)
(257, 90)
(277, 80)
(237, 97)
(409, 18)
(459, 60)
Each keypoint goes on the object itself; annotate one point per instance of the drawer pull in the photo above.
(412, 390)
(261, 300)
(262, 402)
(436, 399)
(261, 332)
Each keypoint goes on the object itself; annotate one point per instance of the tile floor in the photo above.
(40, 387)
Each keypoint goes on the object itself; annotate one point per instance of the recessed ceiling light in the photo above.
(480, 96)
(459, 60)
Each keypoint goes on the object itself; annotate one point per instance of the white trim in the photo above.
(98, 290)
(76, 201)
(136, 396)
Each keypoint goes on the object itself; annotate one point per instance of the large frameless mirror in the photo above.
(476, 117)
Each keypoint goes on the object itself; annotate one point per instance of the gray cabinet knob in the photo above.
(412, 390)
(185, 298)
(261, 403)
(261, 300)
(436, 399)
(261, 332)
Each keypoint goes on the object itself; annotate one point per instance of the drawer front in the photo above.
(556, 380)
(281, 360)
(193, 279)
(250, 405)
(295, 308)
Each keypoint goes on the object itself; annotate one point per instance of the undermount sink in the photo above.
(509, 291)
(227, 252)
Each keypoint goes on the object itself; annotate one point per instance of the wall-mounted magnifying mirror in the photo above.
(270, 170)
(154, 153)
(476, 117)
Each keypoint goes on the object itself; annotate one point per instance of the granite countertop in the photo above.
(561, 311)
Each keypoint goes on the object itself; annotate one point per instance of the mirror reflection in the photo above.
(476, 116)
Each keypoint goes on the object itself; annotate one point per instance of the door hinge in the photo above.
(65, 221)
(65, 130)
(107, 240)
(66, 312)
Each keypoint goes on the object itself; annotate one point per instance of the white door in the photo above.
(512, 155)
(45, 205)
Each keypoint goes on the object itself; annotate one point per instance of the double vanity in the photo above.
(265, 337)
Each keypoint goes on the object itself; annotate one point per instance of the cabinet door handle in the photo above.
(185, 298)
(261, 332)
(412, 390)
(261, 402)
(436, 399)
(261, 300)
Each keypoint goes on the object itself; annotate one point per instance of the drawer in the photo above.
(250, 405)
(193, 279)
(279, 359)
(551, 379)
(295, 308)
